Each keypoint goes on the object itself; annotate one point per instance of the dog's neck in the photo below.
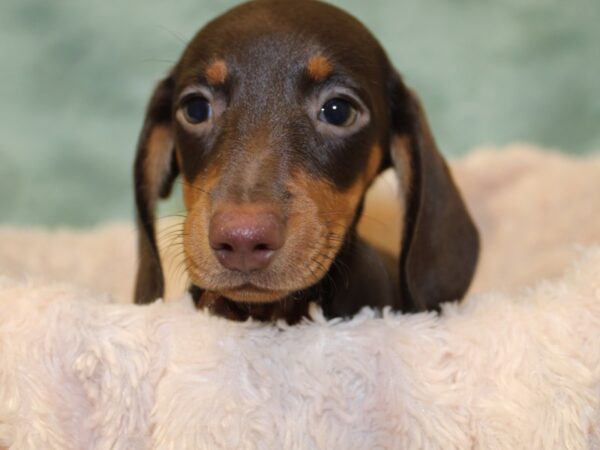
(359, 276)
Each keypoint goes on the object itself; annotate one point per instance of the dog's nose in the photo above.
(246, 240)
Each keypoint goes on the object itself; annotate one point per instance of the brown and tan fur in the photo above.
(267, 69)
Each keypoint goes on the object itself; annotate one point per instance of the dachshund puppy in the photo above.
(278, 117)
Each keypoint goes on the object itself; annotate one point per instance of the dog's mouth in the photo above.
(257, 287)
(250, 293)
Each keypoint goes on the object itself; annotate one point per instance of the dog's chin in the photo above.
(252, 294)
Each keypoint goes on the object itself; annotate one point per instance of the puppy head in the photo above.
(278, 117)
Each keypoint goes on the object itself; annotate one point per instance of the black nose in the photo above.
(246, 240)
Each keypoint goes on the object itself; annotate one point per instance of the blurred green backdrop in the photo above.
(75, 76)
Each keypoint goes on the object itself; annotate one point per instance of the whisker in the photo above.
(165, 61)
(172, 33)
(193, 186)
(380, 222)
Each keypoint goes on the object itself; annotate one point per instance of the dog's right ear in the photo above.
(154, 172)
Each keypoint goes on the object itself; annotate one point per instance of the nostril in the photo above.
(261, 248)
(223, 247)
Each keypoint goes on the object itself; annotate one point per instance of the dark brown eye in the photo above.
(197, 109)
(338, 112)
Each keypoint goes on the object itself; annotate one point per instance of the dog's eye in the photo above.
(338, 112)
(196, 109)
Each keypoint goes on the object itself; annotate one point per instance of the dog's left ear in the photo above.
(440, 243)
(154, 172)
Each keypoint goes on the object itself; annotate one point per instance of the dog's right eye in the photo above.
(338, 112)
(196, 109)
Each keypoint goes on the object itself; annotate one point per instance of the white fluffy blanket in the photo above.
(516, 365)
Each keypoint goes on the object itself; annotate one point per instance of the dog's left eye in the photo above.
(338, 112)
(197, 109)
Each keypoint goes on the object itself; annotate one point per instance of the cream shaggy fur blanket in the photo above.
(514, 366)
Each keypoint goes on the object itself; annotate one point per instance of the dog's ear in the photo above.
(154, 172)
(440, 244)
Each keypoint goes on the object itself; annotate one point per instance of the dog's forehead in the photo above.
(284, 35)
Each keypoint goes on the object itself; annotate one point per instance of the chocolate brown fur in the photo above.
(267, 67)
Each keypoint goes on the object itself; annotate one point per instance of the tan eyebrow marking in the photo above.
(319, 67)
(216, 72)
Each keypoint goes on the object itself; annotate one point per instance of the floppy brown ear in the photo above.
(154, 172)
(440, 243)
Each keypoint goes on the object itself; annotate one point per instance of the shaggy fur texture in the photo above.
(498, 372)
(502, 370)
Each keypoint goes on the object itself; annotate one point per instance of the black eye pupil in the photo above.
(336, 112)
(197, 109)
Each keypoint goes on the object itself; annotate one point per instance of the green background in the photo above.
(75, 76)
